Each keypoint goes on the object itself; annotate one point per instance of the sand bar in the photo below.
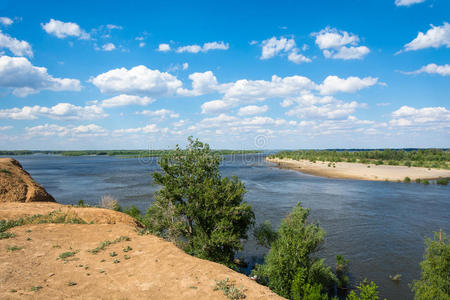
(360, 171)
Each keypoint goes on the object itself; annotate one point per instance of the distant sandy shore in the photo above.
(360, 171)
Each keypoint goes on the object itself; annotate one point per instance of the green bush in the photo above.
(366, 291)
(264, 234)
(407, 180)
(198, 209)
(442, 181)
(291, 263)
(434, 282)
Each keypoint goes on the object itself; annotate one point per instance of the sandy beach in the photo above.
(360, 171)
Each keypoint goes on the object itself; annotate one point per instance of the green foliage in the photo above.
(105, 244)
(197, 208)
(426, 182)
(434, 282)
(342, 272)
(229, 290)
(71, 283)
(65, 255)
(366, 291)
(13, 248)
(407, 180)
(311, 292)
(6, 235)
(442, 181)
(264, 234)
(35, 288)
(428, 158)
(5, 171)
(291, 263)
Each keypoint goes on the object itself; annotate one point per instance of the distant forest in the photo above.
(428, 158)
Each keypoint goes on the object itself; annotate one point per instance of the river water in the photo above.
(379, 226)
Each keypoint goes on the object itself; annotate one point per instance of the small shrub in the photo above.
(36, 288)
(229, 290)
(6, 235)
(112, 254)
(426, 182)
(109, 202)
(126, 257)
(128, 248)
(366, 291)
(65, 255)
(442, 181)
(13, 248)
(116, 261)
(71, 283)
(407, 180)
(13, 291)
(418, 180)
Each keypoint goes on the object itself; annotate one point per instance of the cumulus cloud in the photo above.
(125, 100)
(108, 47)
(334, 84)
(138, 80)
(164, 47)
(443, 70)
(90, 130)
(410, 116)
(65, 29)
(205, 48)
(161, 114)
(274, 46)
(339, 44)
(435, 37)
(215, 106)
(60, 111)
(151, 128)
(18, 48)
(407, 2)
(18, 74)
(6, 21)
(252, 110)
(202, 83)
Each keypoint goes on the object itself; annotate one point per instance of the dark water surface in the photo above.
(379, 226)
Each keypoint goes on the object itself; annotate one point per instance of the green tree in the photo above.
(291, 267)
(435, 279)
(366, 291)
(198, 209)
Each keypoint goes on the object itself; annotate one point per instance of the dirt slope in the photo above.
(155, 269)
(16, 185)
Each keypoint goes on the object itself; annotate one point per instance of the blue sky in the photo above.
(236, 74)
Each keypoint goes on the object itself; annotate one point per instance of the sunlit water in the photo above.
(379, 226)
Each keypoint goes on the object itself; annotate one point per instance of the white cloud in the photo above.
(185, 66)
(273, 46)
(205, 48)
(335, 44)
(19, 48)
(435, 37)
(347, 53)
(151, 128)
(6, 21)
(443, 70)
(164, 47)
(410, 116)
(20, 75)
(65, 29)
(112, 26)
(215, 106)
(334, 84)
(109, 47)
(202, 83)
(125, 100)
(252, 110)
(137, 80)
(60, 111)
(297, 58)
(3, 128)
(162, 114)
(141, 44)
(407, 2)
(90, 130)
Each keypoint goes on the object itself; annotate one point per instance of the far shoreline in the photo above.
(359, 171)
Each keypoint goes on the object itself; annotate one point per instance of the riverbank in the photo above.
(359, 171)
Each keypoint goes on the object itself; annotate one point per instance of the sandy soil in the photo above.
(360, 171)
(156, 269)
(16, 185)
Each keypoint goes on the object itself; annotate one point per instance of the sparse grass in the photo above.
(5, 171)
(112, 254)
(35, 288)
(128, 248)
(116, 261)
(13, 248)
(107, 243)
(56, 216)
(71, 283)
(67, 254)
(229, 290)
(13, 290)
(6, 235)
(28, 239)
(193, 287)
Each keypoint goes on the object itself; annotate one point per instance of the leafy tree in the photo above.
(435, 279)
(264, 234)
(366, 291)
(291, 264)
(197, 208)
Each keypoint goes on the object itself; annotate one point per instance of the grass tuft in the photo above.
(229, 290)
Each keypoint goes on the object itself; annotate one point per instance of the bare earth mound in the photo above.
(360, 171)
(16, 185)
(145, 267)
